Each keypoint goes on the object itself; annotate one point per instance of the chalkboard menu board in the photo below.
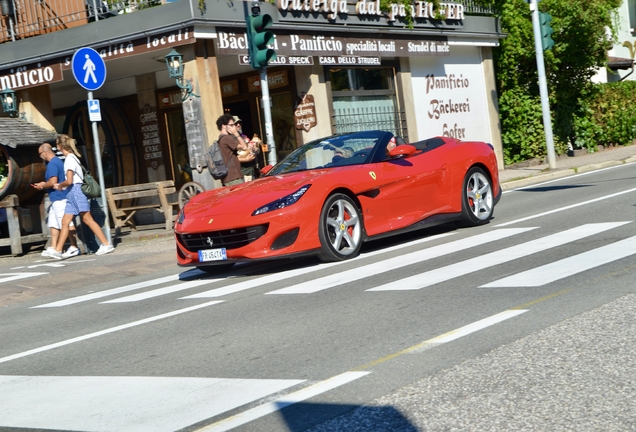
(151, 141)
(195, 132)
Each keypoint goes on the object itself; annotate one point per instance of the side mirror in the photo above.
(266, 169)
(403, 151)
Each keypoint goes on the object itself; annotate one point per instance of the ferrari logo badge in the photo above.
(372, 174)
(210, 221)
(342, 227)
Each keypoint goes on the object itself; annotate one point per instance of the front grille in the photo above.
(230, 239)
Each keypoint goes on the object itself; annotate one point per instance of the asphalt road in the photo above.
(523, 323)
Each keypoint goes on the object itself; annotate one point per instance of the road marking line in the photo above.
(109, 292)
(340, 278)
(16, 276)
(107, 331)
(165, 290)
(277, 277)
(283, 401)
(568, 266)
(126, 403)
(565, 208)
(450, 336)
(492, 259)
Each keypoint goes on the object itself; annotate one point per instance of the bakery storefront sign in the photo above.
(334, 9)
(319, 45)
(141, 45)
(30, 76)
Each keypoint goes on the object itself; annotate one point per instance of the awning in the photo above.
(15, 132)
(616, 63)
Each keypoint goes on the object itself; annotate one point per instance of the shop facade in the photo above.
(340, 67)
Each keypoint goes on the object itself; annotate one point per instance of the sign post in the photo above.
(89, 71)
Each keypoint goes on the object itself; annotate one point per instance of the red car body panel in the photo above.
(392, 195)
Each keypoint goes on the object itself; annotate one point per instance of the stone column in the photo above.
(35, 104)
(406, 100)
(493, 104)
(202, 108)
(311, 80)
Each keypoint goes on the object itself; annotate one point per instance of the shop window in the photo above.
(365, 99)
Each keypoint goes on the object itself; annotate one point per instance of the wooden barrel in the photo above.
(19, 168)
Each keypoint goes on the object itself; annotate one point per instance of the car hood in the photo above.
(248, 196)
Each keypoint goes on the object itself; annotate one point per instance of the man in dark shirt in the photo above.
(230, 142)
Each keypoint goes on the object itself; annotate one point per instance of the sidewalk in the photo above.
(525, 173)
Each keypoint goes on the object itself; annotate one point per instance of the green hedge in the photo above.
(606, 116)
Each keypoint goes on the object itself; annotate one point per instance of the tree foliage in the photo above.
(581, 45)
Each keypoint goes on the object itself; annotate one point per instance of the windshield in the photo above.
(336, 151)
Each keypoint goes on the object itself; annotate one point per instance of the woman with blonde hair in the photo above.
(76, 201)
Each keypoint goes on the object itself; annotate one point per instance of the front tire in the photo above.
(341, 229)
(478, 203)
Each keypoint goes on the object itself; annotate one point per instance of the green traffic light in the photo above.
(546, 30)
(258, 39)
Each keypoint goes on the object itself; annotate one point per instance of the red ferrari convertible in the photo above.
(332, 194)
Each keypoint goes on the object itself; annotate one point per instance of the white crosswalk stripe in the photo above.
(492, 259)
(278, 277)
(335, 279)
(10, 277)
(569, 266)
(240, 279)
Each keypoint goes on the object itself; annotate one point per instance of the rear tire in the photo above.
(341, 230)
(478, 203)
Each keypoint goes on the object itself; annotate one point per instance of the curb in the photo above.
(567, 172)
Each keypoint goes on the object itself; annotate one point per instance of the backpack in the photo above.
(214, 160)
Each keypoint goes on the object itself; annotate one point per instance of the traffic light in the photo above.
(258, 38)
(546, 30)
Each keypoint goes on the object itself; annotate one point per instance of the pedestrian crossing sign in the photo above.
(88, 68)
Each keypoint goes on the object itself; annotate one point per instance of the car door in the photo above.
(411, 189)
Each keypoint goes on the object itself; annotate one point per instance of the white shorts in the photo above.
(56, 212)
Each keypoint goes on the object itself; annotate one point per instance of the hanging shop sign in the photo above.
(229, 88)
(170, 99)
(274, 80)
(302, 45)
(305, 113)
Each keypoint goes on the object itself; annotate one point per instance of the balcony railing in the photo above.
(25, 18)
(21, 19)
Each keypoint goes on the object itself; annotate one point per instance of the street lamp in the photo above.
(174, 61)
(9, 104)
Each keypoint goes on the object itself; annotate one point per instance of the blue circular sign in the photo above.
(88, 68)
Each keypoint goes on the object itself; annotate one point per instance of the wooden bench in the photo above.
(123, 202)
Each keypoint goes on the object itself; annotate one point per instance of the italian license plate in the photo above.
(212, 255)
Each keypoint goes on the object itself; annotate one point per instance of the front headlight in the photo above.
(181, 216)
(283, 202)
